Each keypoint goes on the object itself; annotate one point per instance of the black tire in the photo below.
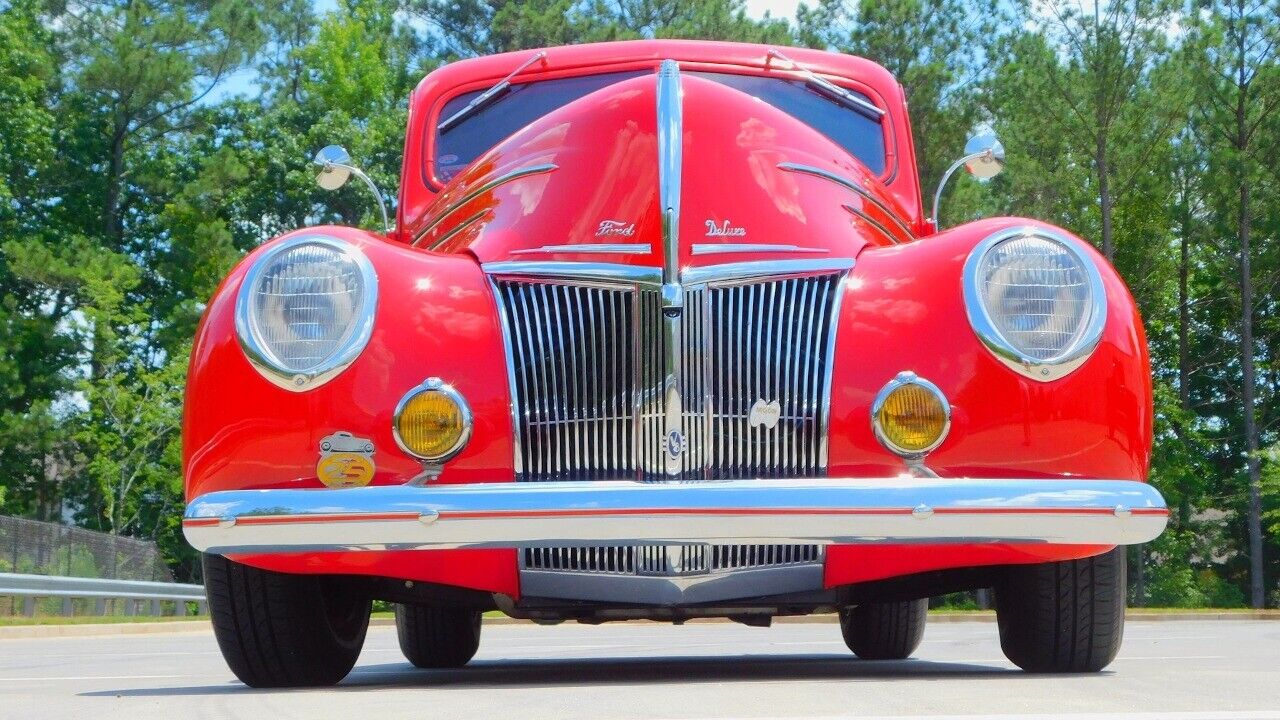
(437, 637)
(1063, 616)
(282, 630)
(884, 631)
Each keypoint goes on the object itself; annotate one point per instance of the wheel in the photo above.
(282, 630)
(1063, 616)
(884, 631)
(437, 637)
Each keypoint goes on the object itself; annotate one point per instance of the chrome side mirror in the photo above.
(336, 169)
(983, 158)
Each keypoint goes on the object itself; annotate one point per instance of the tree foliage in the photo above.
(146, 146)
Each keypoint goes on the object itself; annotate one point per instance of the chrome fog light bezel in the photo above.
(257, 351)
(1065, 362)
(907, 377)
(434, 384)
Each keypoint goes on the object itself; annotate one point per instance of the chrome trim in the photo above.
(850, 185)
(873, 223)
(610, 248)
(477, 192)
(513, 405)
(725, 248)
(261, 358)
(456, 229)
(824, 433)
(756, 269)
(435, 384)
(615, 273)
(556, 514)
(906, 377)
(670, 166)
(980, 319)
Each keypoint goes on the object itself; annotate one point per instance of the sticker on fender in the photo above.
(345, 461)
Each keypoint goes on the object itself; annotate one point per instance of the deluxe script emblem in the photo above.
(614, 228)
(724, 229)
(345, 461)
(764, 413)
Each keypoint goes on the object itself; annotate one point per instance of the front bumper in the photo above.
(558, 514)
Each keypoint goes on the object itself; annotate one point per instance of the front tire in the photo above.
(282, 630)
(437, 637)
(1063, 616)
(884, 631)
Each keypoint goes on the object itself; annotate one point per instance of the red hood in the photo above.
(587, 176)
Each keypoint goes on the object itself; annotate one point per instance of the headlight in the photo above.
(305, 310)
(432, 421)
(1035, 300)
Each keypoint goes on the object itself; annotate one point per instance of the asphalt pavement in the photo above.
(1184, 670)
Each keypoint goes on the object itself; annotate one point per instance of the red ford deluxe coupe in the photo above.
(662, 331)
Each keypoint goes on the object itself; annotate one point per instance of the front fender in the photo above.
(903, 309)
(435, 317)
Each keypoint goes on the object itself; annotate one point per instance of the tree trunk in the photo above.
(1184, 317)
(1104, 195)
(1257, 584)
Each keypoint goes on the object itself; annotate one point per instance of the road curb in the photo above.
(191, 626)
(140, 628)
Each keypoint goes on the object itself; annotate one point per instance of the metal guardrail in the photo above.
(33, 587)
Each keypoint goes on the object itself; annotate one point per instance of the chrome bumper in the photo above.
(557, 514)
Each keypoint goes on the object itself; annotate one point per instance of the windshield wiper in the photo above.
(831, 90)
(488, 97)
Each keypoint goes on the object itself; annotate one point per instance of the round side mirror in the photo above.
(334, 162)
(990, 156)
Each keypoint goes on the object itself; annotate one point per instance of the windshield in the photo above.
(462, 143)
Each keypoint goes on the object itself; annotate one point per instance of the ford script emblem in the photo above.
(675, 443)
(612, 228)
(724, 229)
(765, 413)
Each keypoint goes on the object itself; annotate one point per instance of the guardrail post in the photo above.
(155, 608)
(202, 607)
(68, 607)
(100, 606)
(29, 606)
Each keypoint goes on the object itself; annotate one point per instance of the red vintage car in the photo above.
(663, 331)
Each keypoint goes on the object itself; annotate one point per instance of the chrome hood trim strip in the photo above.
(670, 165)
(850, 185)
(477, 192)
(610, 273)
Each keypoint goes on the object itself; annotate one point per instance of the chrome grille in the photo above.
(587, 370)
(667, 560)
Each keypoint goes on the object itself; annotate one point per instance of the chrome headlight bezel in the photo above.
(258, 352)
(1081, 347)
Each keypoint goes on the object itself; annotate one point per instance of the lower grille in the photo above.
(587, 372)
(667, 560)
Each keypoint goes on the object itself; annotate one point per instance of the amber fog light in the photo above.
(910, 415)
(432, 421)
